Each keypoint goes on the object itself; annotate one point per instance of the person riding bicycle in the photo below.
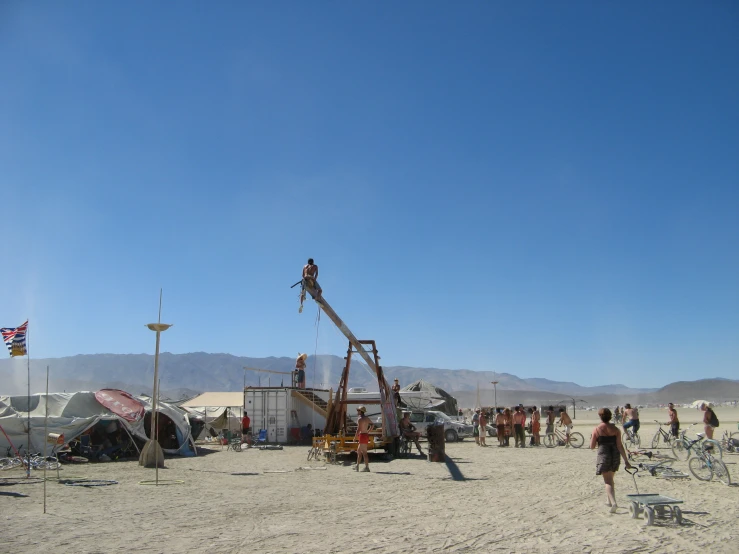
(632, 414)
(674, 421)
(565, 420)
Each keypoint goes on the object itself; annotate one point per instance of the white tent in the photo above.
(699, 403)
(71, 414)
(219, 410)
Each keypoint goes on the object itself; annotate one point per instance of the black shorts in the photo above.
(246, 430)
(675, 428)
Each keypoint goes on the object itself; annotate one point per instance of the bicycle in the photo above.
(666, 437)
(705, 465)
(630, 439)
(730, 441)
(683, 446)
(558, 438)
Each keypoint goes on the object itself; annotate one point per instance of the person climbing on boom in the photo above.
(310, 279)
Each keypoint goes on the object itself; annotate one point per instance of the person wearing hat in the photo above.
(300, 370)
(364, 425)
(396, 391)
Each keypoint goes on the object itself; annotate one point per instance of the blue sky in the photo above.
(545, 190)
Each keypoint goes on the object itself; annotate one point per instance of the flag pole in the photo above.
(46, 431)
(28, 400)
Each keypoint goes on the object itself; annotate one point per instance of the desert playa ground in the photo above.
(483, 500)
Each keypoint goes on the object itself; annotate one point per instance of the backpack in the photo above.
(713, 420)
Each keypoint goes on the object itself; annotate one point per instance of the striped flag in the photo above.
(15, 339)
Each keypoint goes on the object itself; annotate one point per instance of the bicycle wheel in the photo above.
(576, 440)
(10, 463)
(712, 447)
(721, 472)
(550, 441)
(655, 440)
(733, 443)
(700, 469)
(679, 450)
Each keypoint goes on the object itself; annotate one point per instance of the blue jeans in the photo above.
(632, 423)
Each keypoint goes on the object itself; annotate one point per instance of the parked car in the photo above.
(453, 430)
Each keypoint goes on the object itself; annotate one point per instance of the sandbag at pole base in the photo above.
(151, 454)
(437, 443)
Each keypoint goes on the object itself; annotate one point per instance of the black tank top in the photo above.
(607, 439)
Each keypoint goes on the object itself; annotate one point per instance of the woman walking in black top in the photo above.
(607, 437)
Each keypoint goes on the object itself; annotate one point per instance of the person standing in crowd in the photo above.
(476, 426)
(607, 437)
(632, 414)
(508, 415)
(674, 421)
(500, 426)
(519, 420)
(482, 426)
(550, 421)
(710, 421)
(536, 425)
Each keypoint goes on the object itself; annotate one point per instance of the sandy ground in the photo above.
(483, 500)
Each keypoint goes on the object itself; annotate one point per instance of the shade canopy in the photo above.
(216, 400)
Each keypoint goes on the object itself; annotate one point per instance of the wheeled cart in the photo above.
(654, 506)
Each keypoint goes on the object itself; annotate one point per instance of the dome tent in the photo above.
(449, 406)
(71, 414)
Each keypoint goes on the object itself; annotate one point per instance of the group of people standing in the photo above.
(512, 422)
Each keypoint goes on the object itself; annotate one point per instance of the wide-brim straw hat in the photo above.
(361, 409)
(302, 356)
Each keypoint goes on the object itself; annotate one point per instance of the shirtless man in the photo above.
(565, 420)
(364, 426)
(674, 421)
(409, 431)
(299, 373)
(396, 391)
(632, 414)
(310, 278)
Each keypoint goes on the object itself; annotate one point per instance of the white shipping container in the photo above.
(277, 410)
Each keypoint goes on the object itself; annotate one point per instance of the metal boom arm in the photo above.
(388, 402)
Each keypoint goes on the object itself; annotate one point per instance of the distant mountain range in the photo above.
(187, 374)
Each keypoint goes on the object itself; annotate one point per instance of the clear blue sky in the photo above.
(546, 190)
